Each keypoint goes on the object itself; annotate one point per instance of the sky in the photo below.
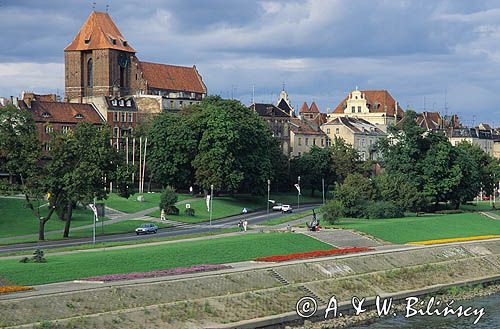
(429, 54)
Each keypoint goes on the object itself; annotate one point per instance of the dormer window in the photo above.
(129, 103)
(122, 103)
(78, 116)
(87, 39)
(114, 102)
(46, 115)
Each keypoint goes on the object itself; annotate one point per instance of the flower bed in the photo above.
(310, 254)
(152, 274)
(7, 289)
(480, 237)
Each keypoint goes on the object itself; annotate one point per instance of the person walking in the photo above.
(245, 224)
(162, 215)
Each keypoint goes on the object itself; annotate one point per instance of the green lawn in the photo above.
(429, 227)
(213, 251)
(229, 206)
(286, 218)
(131, 204)
(480, 206)
(16, 219)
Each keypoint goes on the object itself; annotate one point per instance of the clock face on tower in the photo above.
(123, 60)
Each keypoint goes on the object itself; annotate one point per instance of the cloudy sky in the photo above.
(422, 51)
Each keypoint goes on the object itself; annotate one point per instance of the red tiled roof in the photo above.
(64, 112)
(171, 77)
(304, 108)
(314, 108)
(99, 32)
(429, 120)
(373, 97)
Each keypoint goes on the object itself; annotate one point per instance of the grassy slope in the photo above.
(16, 219)
(213, 251)
(131, 204)
(286, 218)
(229, 206)
(412, 229)
(480, 206)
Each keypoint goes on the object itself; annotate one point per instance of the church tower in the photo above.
(98, 60)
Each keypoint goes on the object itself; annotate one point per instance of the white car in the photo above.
(277, 207)
(286, 208)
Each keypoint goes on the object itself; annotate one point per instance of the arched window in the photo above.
(89, 73)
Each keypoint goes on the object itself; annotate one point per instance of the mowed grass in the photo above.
(480, 206)
(16, 219)
(429, 227)
(229, 206)
(131, 205)
(212, 251)
(286, 218)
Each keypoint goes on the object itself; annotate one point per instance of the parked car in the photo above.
(286, 208)
(277, 207)
(146, 229)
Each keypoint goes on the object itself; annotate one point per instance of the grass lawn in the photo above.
(230, 206)
(131, 204)
(287, 218)
(429, 227)
(16, 219)
(480, 206)
(213, 251)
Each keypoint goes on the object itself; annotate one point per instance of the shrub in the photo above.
(332, 210)
(189, 212)
(383, 209)
(449, 211)
(354, 194)
(168, 200)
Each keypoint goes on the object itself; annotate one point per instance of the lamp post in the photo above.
(211, 203)
(298, 193)
(268, 193)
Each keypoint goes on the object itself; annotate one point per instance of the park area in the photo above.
(160, 257)
(423, 228)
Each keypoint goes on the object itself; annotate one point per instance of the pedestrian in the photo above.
(245, 224)
(240, 224)
(162, 215)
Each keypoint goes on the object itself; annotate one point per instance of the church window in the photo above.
(90, 75)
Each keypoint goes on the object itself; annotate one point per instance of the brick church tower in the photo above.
(98, 61)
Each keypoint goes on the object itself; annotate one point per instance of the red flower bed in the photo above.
(310, 254)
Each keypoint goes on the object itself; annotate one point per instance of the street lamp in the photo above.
(211, 203)
(268, 192)
(298, 193)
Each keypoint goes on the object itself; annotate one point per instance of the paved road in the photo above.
(229, 222)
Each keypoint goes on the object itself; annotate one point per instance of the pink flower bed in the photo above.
(152, 274)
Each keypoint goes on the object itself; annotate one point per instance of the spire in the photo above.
(99, 32)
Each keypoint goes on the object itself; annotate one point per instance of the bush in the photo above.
(449, 211)
(189, 212)
(354, 194)
(332, 211)
(168, 200)
(383, 209)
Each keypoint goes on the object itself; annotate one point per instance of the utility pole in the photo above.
(268, 192)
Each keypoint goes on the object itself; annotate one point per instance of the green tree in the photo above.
(313, 167)
(470, 158)
(354, 194)
(345, 160)
(396, 189)
(168, 200)
(81, 161)
(332, 211)
(235, 147)
(172, 150)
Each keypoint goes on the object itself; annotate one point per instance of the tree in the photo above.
(392, 187)
(354, 194)
(235, 147)
(81, 161)
(168, 200)
(172, 150)
(345, 160)
(313, 167)
(332, 211)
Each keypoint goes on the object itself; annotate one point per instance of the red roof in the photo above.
(99, 32)
(171, 77)
(304, 108)
(64, 112)
(379, 101)
(429, 120)
(314, 108)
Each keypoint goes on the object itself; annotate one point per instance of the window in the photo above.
(300, 154)
(337, 130)
(114, 102)
(307, 141)
(363, 142)
(90, 74)
(116, 132)
(171, 104)
(129, 103)
(322, 142)
(130, 117)
(47, 146)
(300, 141)
(49, 129)
(328, 142)
(124, 116)
(122, 103)
(65, 129)
(353, 109)
(180, 104)
(314, 141)
(359, 109)
(78, 116)
(115, 116)
(46, 115)
(328, 130)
